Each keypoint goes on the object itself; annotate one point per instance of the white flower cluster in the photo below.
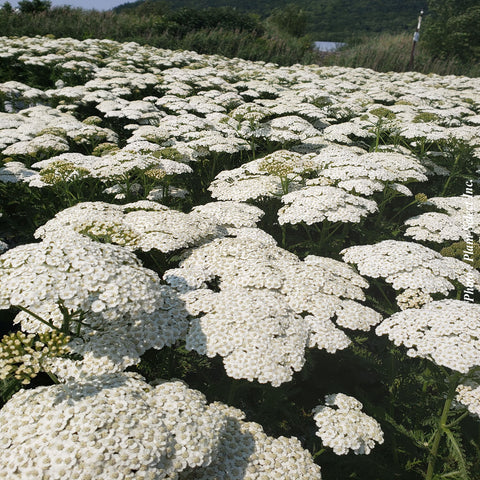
(43, 144)
(409, 265)
(346, 427)
(230, 213)
(368, 172)
(115, 165)
(346, 131)
(261, 178)
(438, 227)
(468, 394)
(17, 96)
(13, 172)
(245, 452)
(45, 130)
(252, 295)
(118, 309)
(315, 204)
(111, 426)
(118, 426)
(286, 130)
(281, 173)
(142, 225)
(434, 227)
(445, 331)
(254, 330)
(198, 136)
(146, 225)
(136, 110)
(81, 273)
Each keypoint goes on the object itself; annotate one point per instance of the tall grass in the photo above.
(391, 53)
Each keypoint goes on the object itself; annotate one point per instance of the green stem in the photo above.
(171, 362)
(384, 295)
(324, 234)
(53, 377)
(458, 420)
(404, 208)
(307, 230)
(452, 175)
(284, 236)
(231, 391)
(442, 426)
(391, 407)
(334, 230)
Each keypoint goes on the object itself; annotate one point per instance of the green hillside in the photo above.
(335, 20)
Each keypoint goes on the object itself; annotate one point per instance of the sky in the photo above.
(86, 4)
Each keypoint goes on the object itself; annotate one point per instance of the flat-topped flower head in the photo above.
(76, 270)
(318, 203)
(99, 293)
(114, 165)
(41, 146)
(444, 331)
(239, 185)
(230, 213)
(255, 331)
(461, 220)
(110, 426)
(135, 110)
(42, 131)
(13, 172)
(246, 452)
(409, 265)
(346, 427)
(270, 176)
(259, 306)
(18, 95)
(468, 394)
(142, 225)
(285, 130)
(369, 172)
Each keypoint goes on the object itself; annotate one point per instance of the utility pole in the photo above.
(416, 36)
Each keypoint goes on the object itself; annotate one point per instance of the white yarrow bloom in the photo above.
(115, 165)
(13, 172)
(43, 145)
(111, 426)
(318, 203)
(375, 169)
(245, 452)
(251, 297)
(142, 225)
(409, 265)
(346, 427)
(125, 310)
(451, 225)
(230, 213)
(444, 331)
(468, 394)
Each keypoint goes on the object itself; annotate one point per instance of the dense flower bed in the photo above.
(162, 210)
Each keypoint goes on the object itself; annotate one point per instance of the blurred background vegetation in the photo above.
(378, 33)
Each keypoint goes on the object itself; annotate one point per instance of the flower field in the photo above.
(218, 269)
